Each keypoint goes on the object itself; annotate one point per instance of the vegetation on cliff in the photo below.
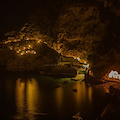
(87, 31)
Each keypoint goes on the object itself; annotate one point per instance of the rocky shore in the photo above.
(44, 62)
(112, 91)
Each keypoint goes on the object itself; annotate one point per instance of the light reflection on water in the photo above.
(31, 97)
(83, 95)
(26, 99)
(59, 97)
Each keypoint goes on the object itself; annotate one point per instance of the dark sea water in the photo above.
(30, 96)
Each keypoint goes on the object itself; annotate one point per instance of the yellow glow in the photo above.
(17, 51)
(58, 51)
(59, 96)
(74, 57)
(29, 45)
(38, 41)
(85, 62)
(28, 51)
(20, 96)
(90, 94)
(21, 53)
(82, 93)
(27, 98)
(34, 52)
(33, 97)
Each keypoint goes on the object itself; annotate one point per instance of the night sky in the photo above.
(14, 13)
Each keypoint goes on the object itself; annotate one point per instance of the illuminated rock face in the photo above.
(114, 74)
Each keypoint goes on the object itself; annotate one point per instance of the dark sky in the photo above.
(14, 13)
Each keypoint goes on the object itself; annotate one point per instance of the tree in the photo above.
(79, 28)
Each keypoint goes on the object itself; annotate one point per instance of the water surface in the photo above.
(30, 96)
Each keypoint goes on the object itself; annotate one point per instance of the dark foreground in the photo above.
(26, 96)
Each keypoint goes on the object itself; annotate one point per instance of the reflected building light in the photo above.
(84, 91)
(33, 96)
(90, 94)
(27, 99)
(20, 97)
(79, 92)
(59, 96)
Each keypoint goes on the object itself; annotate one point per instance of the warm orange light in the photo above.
(34, 52)
(38, 41)
(21, 54)
(17, 51)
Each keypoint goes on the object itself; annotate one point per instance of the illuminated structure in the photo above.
(114, 74)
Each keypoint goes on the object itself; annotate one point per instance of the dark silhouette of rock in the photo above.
(74, 90)
(65, 82)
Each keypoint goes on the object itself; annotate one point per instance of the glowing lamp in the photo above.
(38, 41)
(114, 74)
(21, 54)
(34, 52)
(87, 65)
(111, 74)
(78, 58)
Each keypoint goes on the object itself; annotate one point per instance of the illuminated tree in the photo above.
(80, 28)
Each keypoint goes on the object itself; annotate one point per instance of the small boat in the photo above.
(77, 116)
